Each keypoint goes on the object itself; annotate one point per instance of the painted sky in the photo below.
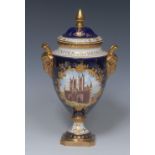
(64, 83)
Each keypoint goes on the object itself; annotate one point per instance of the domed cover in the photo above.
(75, 35)
(75, 32)
(79, 41)
(79, 34)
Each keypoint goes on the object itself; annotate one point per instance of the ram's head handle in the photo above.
(47, 59)
(111, 61)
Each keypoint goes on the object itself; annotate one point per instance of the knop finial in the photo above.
(80, 19)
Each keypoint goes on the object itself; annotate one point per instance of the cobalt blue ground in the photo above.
(88, 33)
(91, 62)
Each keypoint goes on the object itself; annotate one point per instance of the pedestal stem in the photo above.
(78, 127)
(78, 135)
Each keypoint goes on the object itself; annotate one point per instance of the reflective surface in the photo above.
(79, 82)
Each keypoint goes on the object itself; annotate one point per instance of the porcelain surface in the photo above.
(80, 53)
(79, 82)
(79, 69)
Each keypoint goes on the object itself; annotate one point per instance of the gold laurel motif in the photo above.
(111, 60)
(81, 67)
(47, 59)
(96, 72)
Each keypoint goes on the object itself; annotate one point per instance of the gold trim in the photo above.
(69, 139)
(79, 43)
(47, 59)
(111, 60)
(96, 73)
(76, 142)
(79, 19)
(79, 119)
(73, 45)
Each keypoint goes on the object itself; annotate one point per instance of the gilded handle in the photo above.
(111, 60)
(47, 59)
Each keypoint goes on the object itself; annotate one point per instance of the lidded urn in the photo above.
(79, 69)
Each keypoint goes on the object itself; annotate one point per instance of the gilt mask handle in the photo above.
(47, 59)
(111, 60)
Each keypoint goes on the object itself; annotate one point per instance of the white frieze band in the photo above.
(80, 53)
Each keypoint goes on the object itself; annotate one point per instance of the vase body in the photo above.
(79, 83)
(79, 69)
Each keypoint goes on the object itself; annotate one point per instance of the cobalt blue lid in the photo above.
(80, 31)
(84, 32)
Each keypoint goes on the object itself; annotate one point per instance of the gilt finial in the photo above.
(80, 19)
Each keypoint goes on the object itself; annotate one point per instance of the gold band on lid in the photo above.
(79, 19)
(83, 46)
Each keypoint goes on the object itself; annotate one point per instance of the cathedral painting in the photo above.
(78, 91)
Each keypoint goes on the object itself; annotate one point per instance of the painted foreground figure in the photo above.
(79, 68)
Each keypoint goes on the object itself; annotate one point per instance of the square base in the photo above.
(70, 139)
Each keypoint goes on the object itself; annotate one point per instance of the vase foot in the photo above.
(71, 139)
